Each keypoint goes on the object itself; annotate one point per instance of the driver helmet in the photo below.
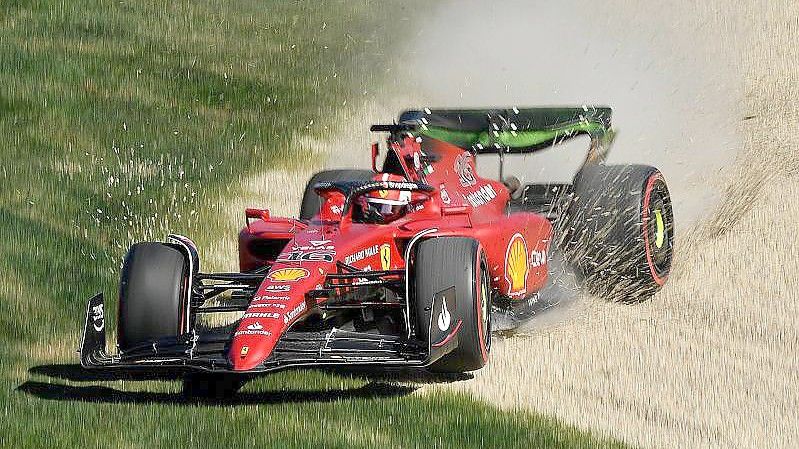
(385, 206)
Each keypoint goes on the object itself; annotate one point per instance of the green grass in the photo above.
(121, 121)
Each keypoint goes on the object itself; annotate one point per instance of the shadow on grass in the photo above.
(98, 394)
(381, 383)
(407, 375)
(76, 373)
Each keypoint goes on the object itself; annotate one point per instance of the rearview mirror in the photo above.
(252, 213)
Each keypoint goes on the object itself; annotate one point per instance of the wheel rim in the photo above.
(659, 230)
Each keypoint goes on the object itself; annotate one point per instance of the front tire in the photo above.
(152, 294)
(441, 264)
(620, 230)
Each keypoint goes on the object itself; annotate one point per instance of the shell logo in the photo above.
(288, 274)
(516, 268)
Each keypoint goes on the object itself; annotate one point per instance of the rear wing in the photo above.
(512, 130)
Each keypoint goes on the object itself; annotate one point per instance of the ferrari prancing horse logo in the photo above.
(516, 267)
(385, 256)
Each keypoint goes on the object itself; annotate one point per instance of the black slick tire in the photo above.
(152, 294)
(619, 231)
(455, 262)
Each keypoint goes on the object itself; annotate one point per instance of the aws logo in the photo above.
(516, 266)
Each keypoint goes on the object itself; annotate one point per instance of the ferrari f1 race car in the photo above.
(397, 266)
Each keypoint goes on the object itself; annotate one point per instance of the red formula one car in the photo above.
(396, 267)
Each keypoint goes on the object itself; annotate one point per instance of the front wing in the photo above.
(208, 351)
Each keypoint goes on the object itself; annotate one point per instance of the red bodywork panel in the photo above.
(303, 254)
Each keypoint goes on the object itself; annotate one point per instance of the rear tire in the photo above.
(311, 201)
(620, 230)
(442, 263)
(152, 294)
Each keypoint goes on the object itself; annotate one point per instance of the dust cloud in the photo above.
(670, 80)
